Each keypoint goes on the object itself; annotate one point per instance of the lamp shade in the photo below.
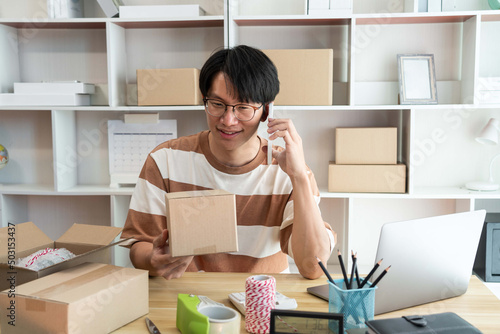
(489, 134)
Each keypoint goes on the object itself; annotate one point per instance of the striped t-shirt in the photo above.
(264, 203)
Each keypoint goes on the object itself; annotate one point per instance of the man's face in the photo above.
(229, 133)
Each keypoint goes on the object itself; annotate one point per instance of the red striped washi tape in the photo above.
(260, 294)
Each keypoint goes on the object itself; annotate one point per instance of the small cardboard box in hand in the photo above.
(201, 222)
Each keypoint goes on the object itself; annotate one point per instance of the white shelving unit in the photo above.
(58, 172)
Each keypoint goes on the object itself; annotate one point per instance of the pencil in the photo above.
(325, 271)
(381, 276)
(353, 270)
(356, 269)
(341, 262)
(370, 273)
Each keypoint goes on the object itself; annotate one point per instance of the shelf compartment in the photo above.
(35, 55)
(453, 46)
(440, 132)
(81, 147)
(130, 49)
(27, 135)
(64, 211)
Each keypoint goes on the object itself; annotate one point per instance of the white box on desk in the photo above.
(54, 88)
(161, 11)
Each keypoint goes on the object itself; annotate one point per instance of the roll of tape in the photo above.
(222, 319)
(260, 294)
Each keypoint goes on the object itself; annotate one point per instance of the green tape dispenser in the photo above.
(213, 318)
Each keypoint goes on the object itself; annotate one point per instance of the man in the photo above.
(237, 85)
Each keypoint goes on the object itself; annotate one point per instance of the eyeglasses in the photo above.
(243, 112)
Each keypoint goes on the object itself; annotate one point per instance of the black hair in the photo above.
(250, 72)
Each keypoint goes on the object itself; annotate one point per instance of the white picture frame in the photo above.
(417, 79)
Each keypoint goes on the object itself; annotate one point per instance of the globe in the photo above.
(494, 4)
(4, 156)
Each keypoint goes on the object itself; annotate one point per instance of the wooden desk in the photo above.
(478, 306)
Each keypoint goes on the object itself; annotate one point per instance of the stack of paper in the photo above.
(72, 93)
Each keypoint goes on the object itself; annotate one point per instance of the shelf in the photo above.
(106, 108)
(454, 192)
(48, 190)
(379, 18)
(197, 22)
(290, 20)
(412, 18)
(146, 109)
(83, 23)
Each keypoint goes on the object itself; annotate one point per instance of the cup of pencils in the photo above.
(354, 297)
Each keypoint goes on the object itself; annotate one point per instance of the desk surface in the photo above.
(479, 305)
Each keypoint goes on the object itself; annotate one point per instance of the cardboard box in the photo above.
(201, 222)
(166, 87)
(90, 243)
(367, 178)
(366, 146)
(306, 76)
(89, 298)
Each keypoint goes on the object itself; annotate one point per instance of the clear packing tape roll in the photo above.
(260, 300)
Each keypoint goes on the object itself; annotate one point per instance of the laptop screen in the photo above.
(430, 258)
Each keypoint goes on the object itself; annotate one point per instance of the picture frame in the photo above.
(417, 79)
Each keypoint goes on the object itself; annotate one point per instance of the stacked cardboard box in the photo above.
(305, 75)
(167, 87)
(366, 161)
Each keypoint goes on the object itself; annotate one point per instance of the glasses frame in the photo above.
(205, 103)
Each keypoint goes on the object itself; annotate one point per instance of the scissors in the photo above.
(152, 327)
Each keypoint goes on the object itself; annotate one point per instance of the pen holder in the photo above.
(357, 305)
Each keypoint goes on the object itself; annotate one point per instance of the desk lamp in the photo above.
(488, 136)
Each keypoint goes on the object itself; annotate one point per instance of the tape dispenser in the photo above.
(200, 314)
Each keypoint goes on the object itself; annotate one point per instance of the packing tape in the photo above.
(260, 300)
(222, 319)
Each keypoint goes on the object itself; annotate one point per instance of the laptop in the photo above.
(431, 259)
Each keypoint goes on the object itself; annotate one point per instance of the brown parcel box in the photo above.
(167, 87)
(88, 242)
(367, 178)
(306, 76)
(371, 146)
(201, 222)
(89, 298)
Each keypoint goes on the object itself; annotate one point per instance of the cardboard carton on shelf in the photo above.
(168, 87)
(88, 298)
(90, 243)
(367, 178)
(368, 145)
(306, 76)
(201, 222)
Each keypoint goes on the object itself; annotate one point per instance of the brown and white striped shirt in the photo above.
(264, 203)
